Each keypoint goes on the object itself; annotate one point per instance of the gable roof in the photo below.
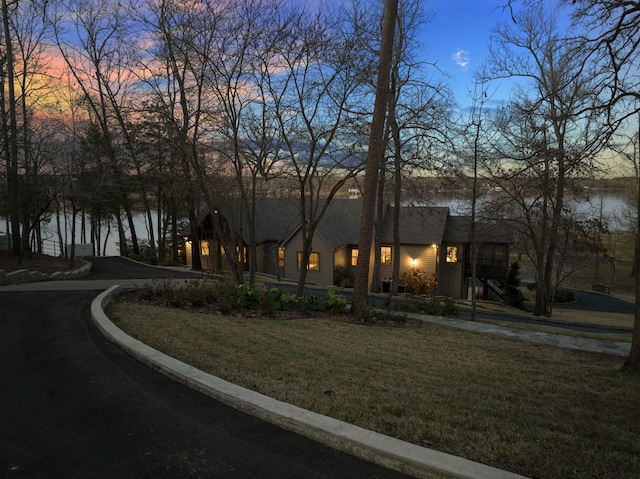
(277, 219)
(340, 225)
(418, 224)
(458, 230)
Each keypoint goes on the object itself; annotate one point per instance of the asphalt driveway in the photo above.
(76, 406)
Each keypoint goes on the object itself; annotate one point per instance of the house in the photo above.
(431, 240)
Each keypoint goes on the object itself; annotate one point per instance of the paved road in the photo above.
(76, 406)
(592, 301)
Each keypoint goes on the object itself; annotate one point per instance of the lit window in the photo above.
(354, 257)
(314, 261)
(204, 247)
(280, 257)
(452, 254)
(385, 255)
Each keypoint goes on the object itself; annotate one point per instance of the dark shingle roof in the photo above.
(340, 225)
(418, 224)
(458, 230)
(278, 218)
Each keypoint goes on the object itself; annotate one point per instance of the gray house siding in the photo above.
(425, 233)
(418, 257)
(324, 275)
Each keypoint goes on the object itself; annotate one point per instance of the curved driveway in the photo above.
(76, 406)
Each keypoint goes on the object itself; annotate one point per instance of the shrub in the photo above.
(512, 294)
(276, 299)
(449, 307)
(196, 293)
(344, 277)
(229, 297)
(249, 295)
(335, 303)
(419, 283)
(309, 303)
(431, 306)
(163, 291)
(564, 296)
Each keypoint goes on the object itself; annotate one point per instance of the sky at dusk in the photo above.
(457, 38)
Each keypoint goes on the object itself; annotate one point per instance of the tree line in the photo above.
(178, 108)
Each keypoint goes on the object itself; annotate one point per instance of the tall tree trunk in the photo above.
(306, 247)
(122, 238)
(174, 231)
(12, 149)
(397, 188)
(374, 155)
(196, 260)
(132, 228)
(377, 243)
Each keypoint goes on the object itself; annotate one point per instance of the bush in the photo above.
(512, 294)
(249, 295)
(438, 306)
(449, 307)
(431, 307)
(344, 277)
(564, 296)
(419, 283)
(229, 297)
(309, 303)
(335, 303)
(276, 299)
(370, 315)
(196, 294)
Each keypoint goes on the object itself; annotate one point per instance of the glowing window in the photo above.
(314, 261)
(280, 257)
(204, 247)
(385, 255)
(354, 257)
(452, 254)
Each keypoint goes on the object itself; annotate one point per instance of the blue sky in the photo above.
(457, 38)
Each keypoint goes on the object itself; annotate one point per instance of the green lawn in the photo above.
(536, 410)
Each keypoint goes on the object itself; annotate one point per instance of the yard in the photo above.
(535, 410)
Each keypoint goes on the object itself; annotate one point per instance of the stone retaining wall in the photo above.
(26, 276)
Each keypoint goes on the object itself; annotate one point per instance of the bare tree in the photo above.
(375, 155)
(549, 134)
(238, 76)
(471, 148)
(417, 117)
(11, 128)
(89, 41)
(311, 81)
(29, 28)
(614, 39)
(182, 38)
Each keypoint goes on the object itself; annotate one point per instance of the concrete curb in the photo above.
(371, 446)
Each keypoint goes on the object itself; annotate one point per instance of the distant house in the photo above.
(431, 240)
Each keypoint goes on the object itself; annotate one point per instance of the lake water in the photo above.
(108, 236)
(613, 207)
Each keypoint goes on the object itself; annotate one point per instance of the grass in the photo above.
(536, 410)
